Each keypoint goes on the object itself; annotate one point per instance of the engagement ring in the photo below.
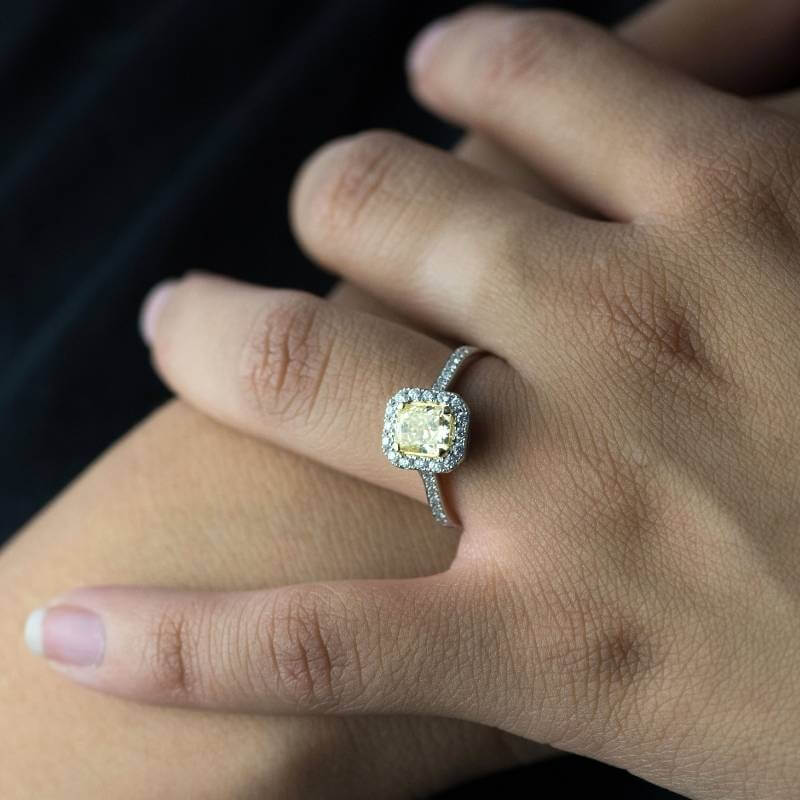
(428, 430)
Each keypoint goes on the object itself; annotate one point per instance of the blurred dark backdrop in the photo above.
(141, 138)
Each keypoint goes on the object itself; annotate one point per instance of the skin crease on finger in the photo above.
(103, 529)
(37, 751)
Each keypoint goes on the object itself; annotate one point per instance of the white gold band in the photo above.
(459, 359)
(433, 491)
(433, 488)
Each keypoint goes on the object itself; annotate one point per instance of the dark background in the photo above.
(141, 138)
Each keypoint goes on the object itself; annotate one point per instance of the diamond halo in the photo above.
(428, 430)
(397, 451)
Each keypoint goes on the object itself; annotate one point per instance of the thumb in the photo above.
(339, 647)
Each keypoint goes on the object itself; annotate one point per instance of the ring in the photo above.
(428, 430)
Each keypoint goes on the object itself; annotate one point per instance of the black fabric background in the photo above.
(141, 138)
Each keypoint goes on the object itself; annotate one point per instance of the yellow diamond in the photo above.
(424, 429)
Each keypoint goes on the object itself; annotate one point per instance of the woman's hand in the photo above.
(184, 501)
(626, 584)
(165, 492)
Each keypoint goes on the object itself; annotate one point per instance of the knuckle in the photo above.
(614, 666)
(524, 48)
(345, 180)
(315, 661)
(750, 178)
(172, 656)
(285, 359)
(726, 188)
(644, 318)
(618, 653)
(771, 199)
(608, 648)
(602, 650)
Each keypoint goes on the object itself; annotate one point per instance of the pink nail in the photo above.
(152, 307)
(67, 634)
(425, 45)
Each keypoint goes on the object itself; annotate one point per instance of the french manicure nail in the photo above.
(66, 634)
(152, 307)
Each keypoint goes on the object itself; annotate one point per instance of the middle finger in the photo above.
(448, 244)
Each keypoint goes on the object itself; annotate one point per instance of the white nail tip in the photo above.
(33, 631)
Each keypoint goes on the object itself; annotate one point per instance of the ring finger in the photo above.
(299, 371)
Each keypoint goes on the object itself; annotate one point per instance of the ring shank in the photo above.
(433, 492)
(433, 488)
(459, 359)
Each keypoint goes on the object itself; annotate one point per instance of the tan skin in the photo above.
(70, 743)
(126, 519)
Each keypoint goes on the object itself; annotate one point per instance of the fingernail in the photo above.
(66, 634)
(425, 44)
(152, 307)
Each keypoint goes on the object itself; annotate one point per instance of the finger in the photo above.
(448, 244)
(787, 103)
(511, 168)
(301, 372)
(737, 45)
(348, 295)
(341, 647)
(603, 123)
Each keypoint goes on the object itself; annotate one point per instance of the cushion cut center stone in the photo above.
(424, 429)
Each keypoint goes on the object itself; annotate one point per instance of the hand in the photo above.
(507, 535)
(184, 501)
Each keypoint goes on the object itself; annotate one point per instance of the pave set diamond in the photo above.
(434, 495)
(452, 366)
